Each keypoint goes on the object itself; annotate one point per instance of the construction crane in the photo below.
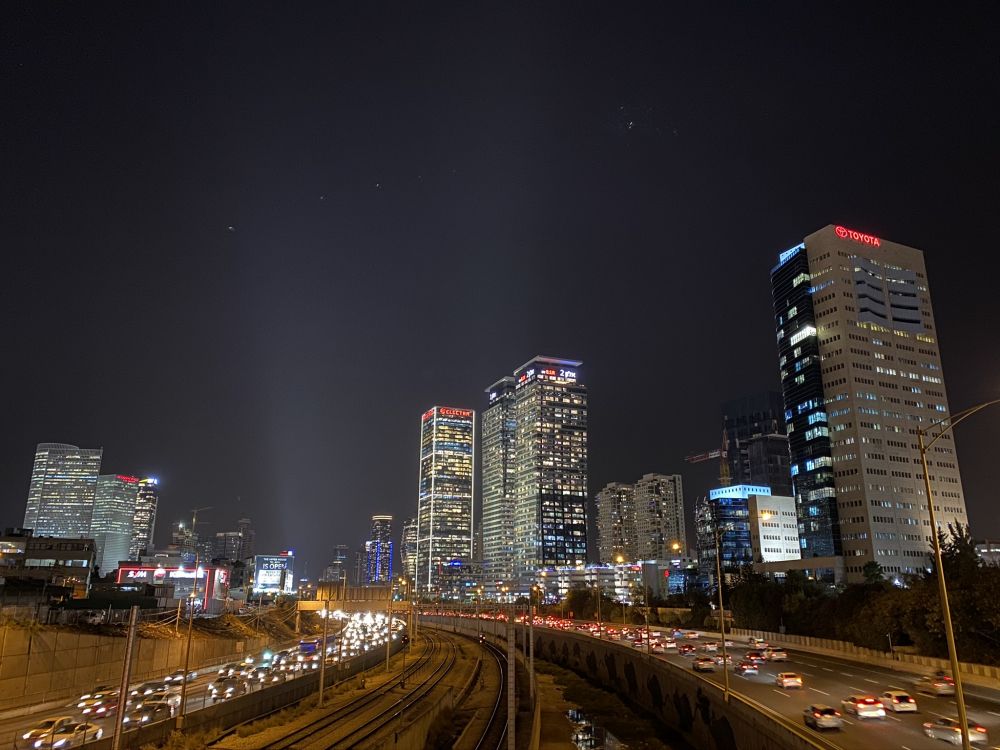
(725, 478)
(194, 516)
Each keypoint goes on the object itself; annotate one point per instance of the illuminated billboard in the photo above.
(273, 574)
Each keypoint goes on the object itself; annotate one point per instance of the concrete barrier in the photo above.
(56, 665)
(689, 704)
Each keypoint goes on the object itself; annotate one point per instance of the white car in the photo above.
(899, 701)
(950, 730)
(863, 706)
(41, 734)
(775, 654)
(788, 680)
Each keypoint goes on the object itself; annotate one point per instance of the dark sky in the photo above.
(247, 244)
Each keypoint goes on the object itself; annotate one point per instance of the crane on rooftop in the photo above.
(721, 453)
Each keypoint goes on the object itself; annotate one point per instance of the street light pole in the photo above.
(187, 660)
(722, 611)
(949, 632)
(597, 586)
(322, 660)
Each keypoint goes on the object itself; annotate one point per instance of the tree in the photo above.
(873, 572)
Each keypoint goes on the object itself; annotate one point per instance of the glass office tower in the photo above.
(111, 524)
(61, 493)
(499, 473)
(444, 496)
(144, 521)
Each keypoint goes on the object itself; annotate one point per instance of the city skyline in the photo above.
(617, 191)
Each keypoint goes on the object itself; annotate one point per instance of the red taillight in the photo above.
(980, 729)
(836, 713)
(817, 714)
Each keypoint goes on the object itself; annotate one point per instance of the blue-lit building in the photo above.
(726, 510)
(378, 551)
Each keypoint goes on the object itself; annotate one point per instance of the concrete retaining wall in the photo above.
(52, 665)
(974, 674)
(691, 705)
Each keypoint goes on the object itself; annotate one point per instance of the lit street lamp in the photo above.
(953, 420)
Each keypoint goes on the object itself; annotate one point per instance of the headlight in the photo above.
(26, 736)
(60, 743)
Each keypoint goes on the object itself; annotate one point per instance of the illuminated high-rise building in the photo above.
(499, 422)
(860, 370)
(61, 493)
(144, 521)
(550, 447)
(408, 548)
(444, 495)
(111, 522)
(378, 551)
(615, 506)
(660, 531)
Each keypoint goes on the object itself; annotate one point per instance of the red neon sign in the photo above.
(447, 412)
(850, 234)
(124, 478)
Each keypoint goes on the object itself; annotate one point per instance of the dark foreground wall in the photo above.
(682, 700)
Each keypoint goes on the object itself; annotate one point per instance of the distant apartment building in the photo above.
(860, 371)
(61, 492)
(444, 496)
(616, 523)
(641, 521)
(408, 548)
(111, 521)
(337, 568)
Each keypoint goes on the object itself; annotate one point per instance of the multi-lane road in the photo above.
(827, 680)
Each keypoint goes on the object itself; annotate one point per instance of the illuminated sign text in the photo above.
(850, 234)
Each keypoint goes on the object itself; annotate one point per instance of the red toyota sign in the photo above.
(850, 234)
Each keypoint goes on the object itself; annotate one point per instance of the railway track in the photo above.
(494, 735)
(329, 732)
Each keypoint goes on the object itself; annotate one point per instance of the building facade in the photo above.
(408, 548)
(499, 427)
(616, 524)
(726, 513)
(550, 510)
(56, 561)
(660, 528)
(111, 522)
(774, 528)
(860, 370)
(61, 493)
(378, 551)
(336, 571)
(756, 441)
(444, 495)
(144, 521)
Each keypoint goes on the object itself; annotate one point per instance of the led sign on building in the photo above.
(850, 234)
(273, 574)
(211, 583)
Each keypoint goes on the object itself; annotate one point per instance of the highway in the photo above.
(828, 680)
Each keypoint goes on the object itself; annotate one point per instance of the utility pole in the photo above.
(388, 631)
(187, 662)
(531, 644)
(133, 619)
(322, 660)
(722, 611)
(511, 682)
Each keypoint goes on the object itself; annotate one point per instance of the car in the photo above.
(757, 643)
(637, 643)
(936, 685)
(178, 676)
(150, 712)
(820, 716)
(43, 731)
(686, 649)
(657, 648)
(703, 664)
(226, 688)
(692, 634)
(167, 694)
(728, 659)
(230, 669)
(100, 689)
(99, 705)
(950, 730)
(775, 654)
(788, 680)
(863, 706)
(746, 667)
(670, 643)
(146, 688)
(710, 647)
(756, 656)
(898, 700)
(71, 735)
(267, 675)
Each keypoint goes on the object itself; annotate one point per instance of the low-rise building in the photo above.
(56, 561)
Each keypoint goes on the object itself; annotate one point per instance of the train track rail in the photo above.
(329, 731)
(494, 735)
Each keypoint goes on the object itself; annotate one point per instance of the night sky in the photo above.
(246, 245)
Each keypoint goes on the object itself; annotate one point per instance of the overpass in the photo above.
(351, 599)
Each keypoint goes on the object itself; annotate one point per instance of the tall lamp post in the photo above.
(597, 590)
(722, 611)
(621, 559)
(949, 633)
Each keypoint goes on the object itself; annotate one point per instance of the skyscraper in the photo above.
(378, 551)
(408, 548)
(616, 532)
(61, 493)
(111, 522)
(144, 521)
(550, 516)
(444, 494)
(757, 443)
(660, 531)
(499, 473)
(337, 569)
(860, 369)
(725, 511)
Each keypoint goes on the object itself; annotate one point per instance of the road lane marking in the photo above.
(821, 692)
(993, 712)
(807, 674)
(781, 692)
(873, 682)
(904, 747)
(894, 718)
(827, 669)
(857, 690)
(847, 674)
